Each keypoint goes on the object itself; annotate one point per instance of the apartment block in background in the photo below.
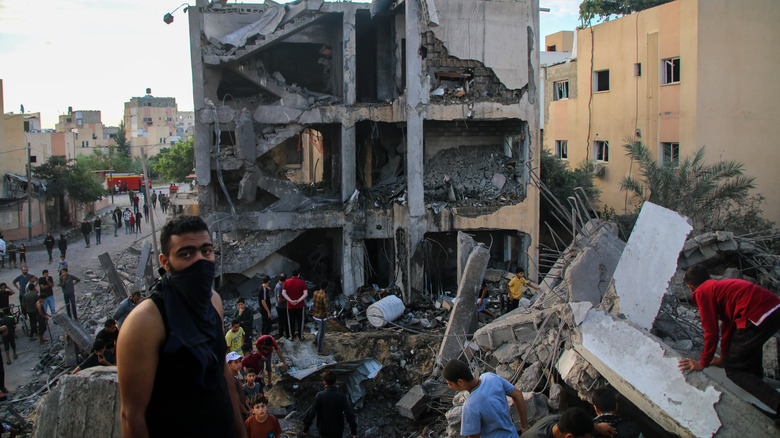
(150, 123)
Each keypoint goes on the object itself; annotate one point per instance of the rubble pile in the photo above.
(463, 176)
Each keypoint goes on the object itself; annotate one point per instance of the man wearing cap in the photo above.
(171, 353)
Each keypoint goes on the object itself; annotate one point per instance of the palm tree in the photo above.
(703, 192)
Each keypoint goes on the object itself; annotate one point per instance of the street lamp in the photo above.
(168, 18)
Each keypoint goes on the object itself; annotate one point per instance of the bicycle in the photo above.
(20, 318)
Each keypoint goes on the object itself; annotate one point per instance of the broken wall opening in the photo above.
(475, 162)
(379, 153)
(308, 65)
(233, 86)
(379, 262)
(316, 254)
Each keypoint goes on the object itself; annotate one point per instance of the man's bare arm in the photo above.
(138, 348)
(517, 397)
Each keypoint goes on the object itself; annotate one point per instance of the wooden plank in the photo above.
(117, 285)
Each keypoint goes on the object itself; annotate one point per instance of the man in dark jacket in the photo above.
(48, 242)
(86, 229)
(62, 244)
(117, 217)
(330, 407)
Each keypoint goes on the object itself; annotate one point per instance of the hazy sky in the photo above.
(97, 54)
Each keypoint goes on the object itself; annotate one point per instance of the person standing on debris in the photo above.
(484, 300)
(234, 338)
(606, 405)
(749, 315)
(86, 229)
(29, 299)
(266, 346)
(266, 301)
(9, 342)
(295, 292)
(98, 224)
(262, 424)
(171, 354)
(573, 423)
(486, 412)
(233, 362)
(20, 282)
(127, 305)
(11, 250)
(43, 319)
(49, 242)
(127, 215)
(46, 288)
(116, 216)
(67, 283)
(515, 289)
(281, 308)
(245, 317)
(320, 314)
(62, 244)
(330, 407)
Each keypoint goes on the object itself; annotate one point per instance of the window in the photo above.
(94, 136)
(601, 150)
(82, 144)
(551, 48)
(670, 71)
(670, 153)
(79, 122)
(601, 80)
(638, 69)
(87, 143)
(148, 120)
(561, 90)
(562, 149)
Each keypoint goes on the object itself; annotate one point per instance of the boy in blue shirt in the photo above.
(486, 412)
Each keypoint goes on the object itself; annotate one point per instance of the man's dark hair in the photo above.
(324, 285)
(282, 277)
(575, 421)
(265, 279)
(110, 322)
(457, 370)
(235, 321)
(246, 348)
(136, 293)
(269, 342)
(99, 345)
(605, 400)
(240, 300)
(696, 275)
(45, 271)
(329, 377)
(180, 225)
(296, 272)
(251, 371)
(521, 270)
(259, 399)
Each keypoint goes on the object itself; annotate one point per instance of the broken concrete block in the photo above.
(514, 327)
(684, 345)
(556, 397)
(465, 307)
(84, 404)
(493, 275)
(117, 285)
(507, 353)
(454, 415)
(580, 310)
(498, 180)
(505, 371)
(466, 245)
(648, 262)
(771, 360)
(536, 406)
(531, 377)
(414, 403)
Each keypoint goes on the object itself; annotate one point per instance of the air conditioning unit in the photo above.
(599, 169)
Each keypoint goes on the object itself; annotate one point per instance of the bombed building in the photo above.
(353, 140)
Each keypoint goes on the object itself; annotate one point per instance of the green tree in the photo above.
(67, 177)
(605, 9)
(561, 180)
(122, 145)
(714, 196)
(175, 163)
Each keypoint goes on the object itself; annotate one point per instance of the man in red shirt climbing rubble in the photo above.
(749, 316)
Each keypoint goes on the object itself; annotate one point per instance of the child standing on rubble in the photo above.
(515, 289)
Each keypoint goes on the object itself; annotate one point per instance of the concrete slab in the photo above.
(414, 403)
(648, 262)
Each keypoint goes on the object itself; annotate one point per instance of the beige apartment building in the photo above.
(679, 76)
(88, 132)
(150, 123)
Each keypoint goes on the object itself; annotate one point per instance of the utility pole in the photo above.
(110, 175)
(29, 194)
(151, 210)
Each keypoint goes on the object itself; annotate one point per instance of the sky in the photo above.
(97, 54)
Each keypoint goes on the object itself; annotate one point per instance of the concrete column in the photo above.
(348, 165)
(353, 261)
(349, 59)
(202, 131)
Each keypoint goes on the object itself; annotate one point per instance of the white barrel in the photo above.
(385, 310)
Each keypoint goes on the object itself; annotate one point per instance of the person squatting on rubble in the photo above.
(320, 314)
(262, 424)
(515, 289)
(171, 354)
(263, 358)
(606, 405)
(573, 423)
(748, 316)
(127, 305)
(100, 356)
(295, 292)
(485, 412)
(331, 408)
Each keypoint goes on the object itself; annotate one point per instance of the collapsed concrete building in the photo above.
(351, 140)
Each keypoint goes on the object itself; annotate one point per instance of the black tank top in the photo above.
(179, 406)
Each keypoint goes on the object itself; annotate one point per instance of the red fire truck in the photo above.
(133, 181)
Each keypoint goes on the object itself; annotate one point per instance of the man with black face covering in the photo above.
(170, 352)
